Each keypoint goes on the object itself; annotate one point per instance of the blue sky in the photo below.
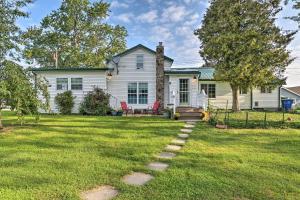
(169, 21)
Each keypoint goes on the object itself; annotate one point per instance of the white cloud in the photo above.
(174, 13)
(148, 17)
(117, 4)
(125, 17)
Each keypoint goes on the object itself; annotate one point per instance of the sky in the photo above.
(169, 21)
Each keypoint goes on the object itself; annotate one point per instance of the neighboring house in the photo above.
(291, 93)
(140, 76)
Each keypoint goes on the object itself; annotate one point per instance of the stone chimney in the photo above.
(160, 74)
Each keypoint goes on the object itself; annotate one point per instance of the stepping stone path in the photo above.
(189, 126)
(186, 130)
(172, 148)
(166, 155)
(158, 166)
(100, 193)
(137, 178)
(183, 135)
(178, 141)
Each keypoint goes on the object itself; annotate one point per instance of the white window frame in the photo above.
(62, 88)
(207, 90)
(140, 61)
(265, 90)
(77, 84)
(138, 93)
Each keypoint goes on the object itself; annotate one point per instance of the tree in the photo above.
(76, 35)
(20, 92)
(16, 86)
(296, 5)
(240, 39)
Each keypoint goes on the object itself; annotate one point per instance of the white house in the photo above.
(291, 93)
(140, 76)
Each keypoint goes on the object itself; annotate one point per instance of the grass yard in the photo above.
(257, 119)
(64, 155)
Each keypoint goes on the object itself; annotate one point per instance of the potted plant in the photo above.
(120, 113)
(114, 113)
(167, 113)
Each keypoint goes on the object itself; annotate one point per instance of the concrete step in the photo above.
(188, 109)
(191, 114)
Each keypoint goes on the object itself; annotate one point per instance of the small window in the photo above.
(210, 90)
(256, 103)
(76, 83)
(132, 93)
(143, 93)
(62, 84)
(266, 89)
(140, 61)
(243, 90)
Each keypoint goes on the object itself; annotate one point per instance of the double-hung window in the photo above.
(140, 61)
(76, 83)
(143, 93)
(132, 93)
(62, 84)
(210, 90)
(138, 93)
(265, 90)
(243, 90)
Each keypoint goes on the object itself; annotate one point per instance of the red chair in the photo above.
(155, 108)
(125, 108)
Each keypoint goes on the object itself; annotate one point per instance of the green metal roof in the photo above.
(206, 73)
(137, 47)
(42, 69)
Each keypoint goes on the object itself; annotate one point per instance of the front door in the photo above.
(184, 94)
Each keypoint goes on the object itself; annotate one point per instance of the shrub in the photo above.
(95, 103)
(65, 102)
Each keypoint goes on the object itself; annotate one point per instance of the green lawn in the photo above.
(64, 155)
(257, 119)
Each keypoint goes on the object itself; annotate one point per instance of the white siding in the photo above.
(224, 96)
(287, 94)
(174, 86)
(118, 85)
(90, 79)
(267, 100)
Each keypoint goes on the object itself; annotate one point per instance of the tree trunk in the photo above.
(235, 98)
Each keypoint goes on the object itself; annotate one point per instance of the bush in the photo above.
(95, 103)
(65, 102)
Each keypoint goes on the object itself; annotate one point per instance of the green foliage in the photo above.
(65, 102)
(10, 11)
(240, 39)
(20, 90)
(95, 103)
(78, 33)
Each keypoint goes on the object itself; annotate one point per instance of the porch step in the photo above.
(189, 113)
(188, 109)
(189, 118)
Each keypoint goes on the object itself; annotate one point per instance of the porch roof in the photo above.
(204, 73)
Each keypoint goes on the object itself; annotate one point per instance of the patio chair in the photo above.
(126, 109)
(155, 108)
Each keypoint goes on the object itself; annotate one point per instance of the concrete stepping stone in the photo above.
(186, 130)
(173, 147)
(189, 126)
(178, 141)
(137, 178)
(101, 193)
(158, 166)
(166, 155)
(183, 135)
(191, 122)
